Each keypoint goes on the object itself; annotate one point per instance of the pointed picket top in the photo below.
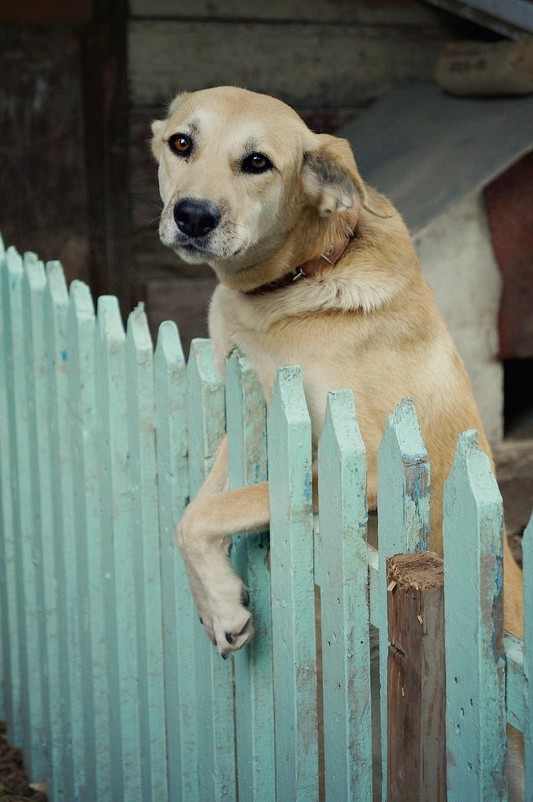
(170, 397)
(110, 326)
(341, 448)
(170, 385)
(473, 598)
(81, 300)
(35, 274)
(289, 394)
(57, 283)
(13, 262)
(137, 329)
(205, 410)
(246, 420)
(404, 480)
(169, 344)
(473, 465)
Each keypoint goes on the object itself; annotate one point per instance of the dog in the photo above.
(315, 268)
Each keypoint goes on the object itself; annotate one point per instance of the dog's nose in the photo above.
(196, 218)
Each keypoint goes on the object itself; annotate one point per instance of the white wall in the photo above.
(457, 258)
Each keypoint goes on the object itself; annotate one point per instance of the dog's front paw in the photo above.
(231, 622)
(219, 595)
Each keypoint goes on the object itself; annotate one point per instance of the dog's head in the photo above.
(236, 172)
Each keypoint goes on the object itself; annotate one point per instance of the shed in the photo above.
(460, 170)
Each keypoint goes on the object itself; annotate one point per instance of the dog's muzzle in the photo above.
(196, 218)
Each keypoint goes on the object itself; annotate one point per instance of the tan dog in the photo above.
(315, 269)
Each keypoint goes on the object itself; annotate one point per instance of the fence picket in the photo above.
(473, 601)
(403, 522)
(115, 489)
(33, 287)
(29, 697)
(216, 732)
(144, 539)
(91, 565)
(292, 582)
(56, 303)
(246, 416)
(341, 553)
(177, 609)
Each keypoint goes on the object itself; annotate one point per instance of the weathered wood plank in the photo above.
(65, 542)
(341, 563)
(475, 663)
(30, 710)
(246, 427)
(404, 11)
(12, 624)
(293, 613)
(416, 679)
(145, 546)
(91, 606)
(345, 61)
(403, 518)
(214, 677)
(116, 498)
(179, 618)
(33, 288)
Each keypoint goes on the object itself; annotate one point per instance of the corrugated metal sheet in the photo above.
(426, 150)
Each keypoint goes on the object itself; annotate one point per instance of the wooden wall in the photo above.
(42, 168)
(327, 59)
(82, 81)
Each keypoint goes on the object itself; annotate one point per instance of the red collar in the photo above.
(307, 270)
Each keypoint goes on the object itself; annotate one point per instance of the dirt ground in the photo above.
(14, 782)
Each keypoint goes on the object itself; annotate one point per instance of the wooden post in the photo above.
(416, 678)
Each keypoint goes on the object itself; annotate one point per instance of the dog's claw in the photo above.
(245, 627)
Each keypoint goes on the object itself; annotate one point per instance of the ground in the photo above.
(14, 784)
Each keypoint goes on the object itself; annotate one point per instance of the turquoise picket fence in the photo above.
(108, 682)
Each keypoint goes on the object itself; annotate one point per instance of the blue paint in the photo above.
(308, 489)
(64, 356)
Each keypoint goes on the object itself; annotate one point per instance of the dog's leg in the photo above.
(203, 535)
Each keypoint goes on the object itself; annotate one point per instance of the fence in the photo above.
(107, 680)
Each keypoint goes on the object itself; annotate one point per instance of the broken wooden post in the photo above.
(416, 678)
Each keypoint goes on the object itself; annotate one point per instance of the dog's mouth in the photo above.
(191, 250)
(205, 249)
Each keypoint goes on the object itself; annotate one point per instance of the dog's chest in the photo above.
(268, 348)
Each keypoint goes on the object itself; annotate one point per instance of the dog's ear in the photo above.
(158, 126)
(330, 177)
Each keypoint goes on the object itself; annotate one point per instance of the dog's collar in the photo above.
(307, 270)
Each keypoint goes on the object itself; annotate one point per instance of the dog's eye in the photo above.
(181, 144)
(256, 163)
